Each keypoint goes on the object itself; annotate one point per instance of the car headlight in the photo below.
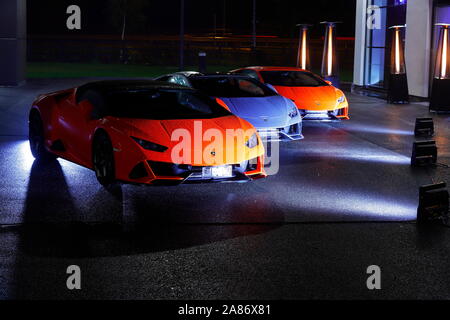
(149, 145)
(341, 99)
(293, 112)
(252, 142)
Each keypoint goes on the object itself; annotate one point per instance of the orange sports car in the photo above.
(315, 97)
(145, 132)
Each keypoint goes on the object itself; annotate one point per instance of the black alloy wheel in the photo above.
(103, 160)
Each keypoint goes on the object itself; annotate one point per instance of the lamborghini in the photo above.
(145, 132)
(275, 117)
(315, 97)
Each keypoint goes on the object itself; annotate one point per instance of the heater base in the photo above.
(398, 89)
(424, 153)
(335, 81)
(424, 127)
(433, 202)
(440, 98)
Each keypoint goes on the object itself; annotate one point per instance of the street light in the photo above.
(440, 100)
(398, 82)
(303, 60)
(330, 67)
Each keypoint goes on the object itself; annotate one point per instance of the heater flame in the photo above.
(304, 49)
(444, 55)
(330, 51)
(397, 51)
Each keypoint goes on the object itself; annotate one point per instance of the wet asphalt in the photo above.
(344, 198)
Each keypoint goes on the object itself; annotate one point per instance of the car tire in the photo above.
(37, 139)
(103, 160)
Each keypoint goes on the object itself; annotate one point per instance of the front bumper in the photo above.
(339, 113)
(164, 173)
(289, 133)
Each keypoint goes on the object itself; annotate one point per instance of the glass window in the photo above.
(172, 80)
(380, 3)
(376, 45)
(162, 104)
(376, 67)
(231, 87)
(292, 79)
(388, 13)
(164, 79)
(181, 80)
(249, 73)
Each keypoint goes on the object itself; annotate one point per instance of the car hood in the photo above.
(311, 98)
(164, 132)
(161, 131)
(264, 112)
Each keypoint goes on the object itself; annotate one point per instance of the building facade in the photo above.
(373, 41)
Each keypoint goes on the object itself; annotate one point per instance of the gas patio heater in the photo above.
(398, 81)
(440, 90)
(330, 67)
(303, 59)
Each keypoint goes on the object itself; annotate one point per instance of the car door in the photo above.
(77, 125)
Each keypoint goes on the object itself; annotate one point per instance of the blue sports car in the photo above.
(274, 116)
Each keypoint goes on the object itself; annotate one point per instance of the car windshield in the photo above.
(162, 104)
(231, 87)
(292, 79)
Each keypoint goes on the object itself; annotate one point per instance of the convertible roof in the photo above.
(273, 68)
(121, 85)
(195, 74)
(219, 75)
(189, 73)
(125, 84)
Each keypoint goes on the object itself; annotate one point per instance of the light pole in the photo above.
(181, 66)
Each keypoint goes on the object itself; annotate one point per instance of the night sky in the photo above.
(153, 17)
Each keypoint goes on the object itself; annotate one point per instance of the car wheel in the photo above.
(103, 160)
(37, 140)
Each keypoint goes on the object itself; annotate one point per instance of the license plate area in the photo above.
(217, 172)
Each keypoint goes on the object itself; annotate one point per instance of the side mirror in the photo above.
(271, 87)
(223, 104)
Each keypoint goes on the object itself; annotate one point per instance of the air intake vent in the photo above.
(138, 171)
